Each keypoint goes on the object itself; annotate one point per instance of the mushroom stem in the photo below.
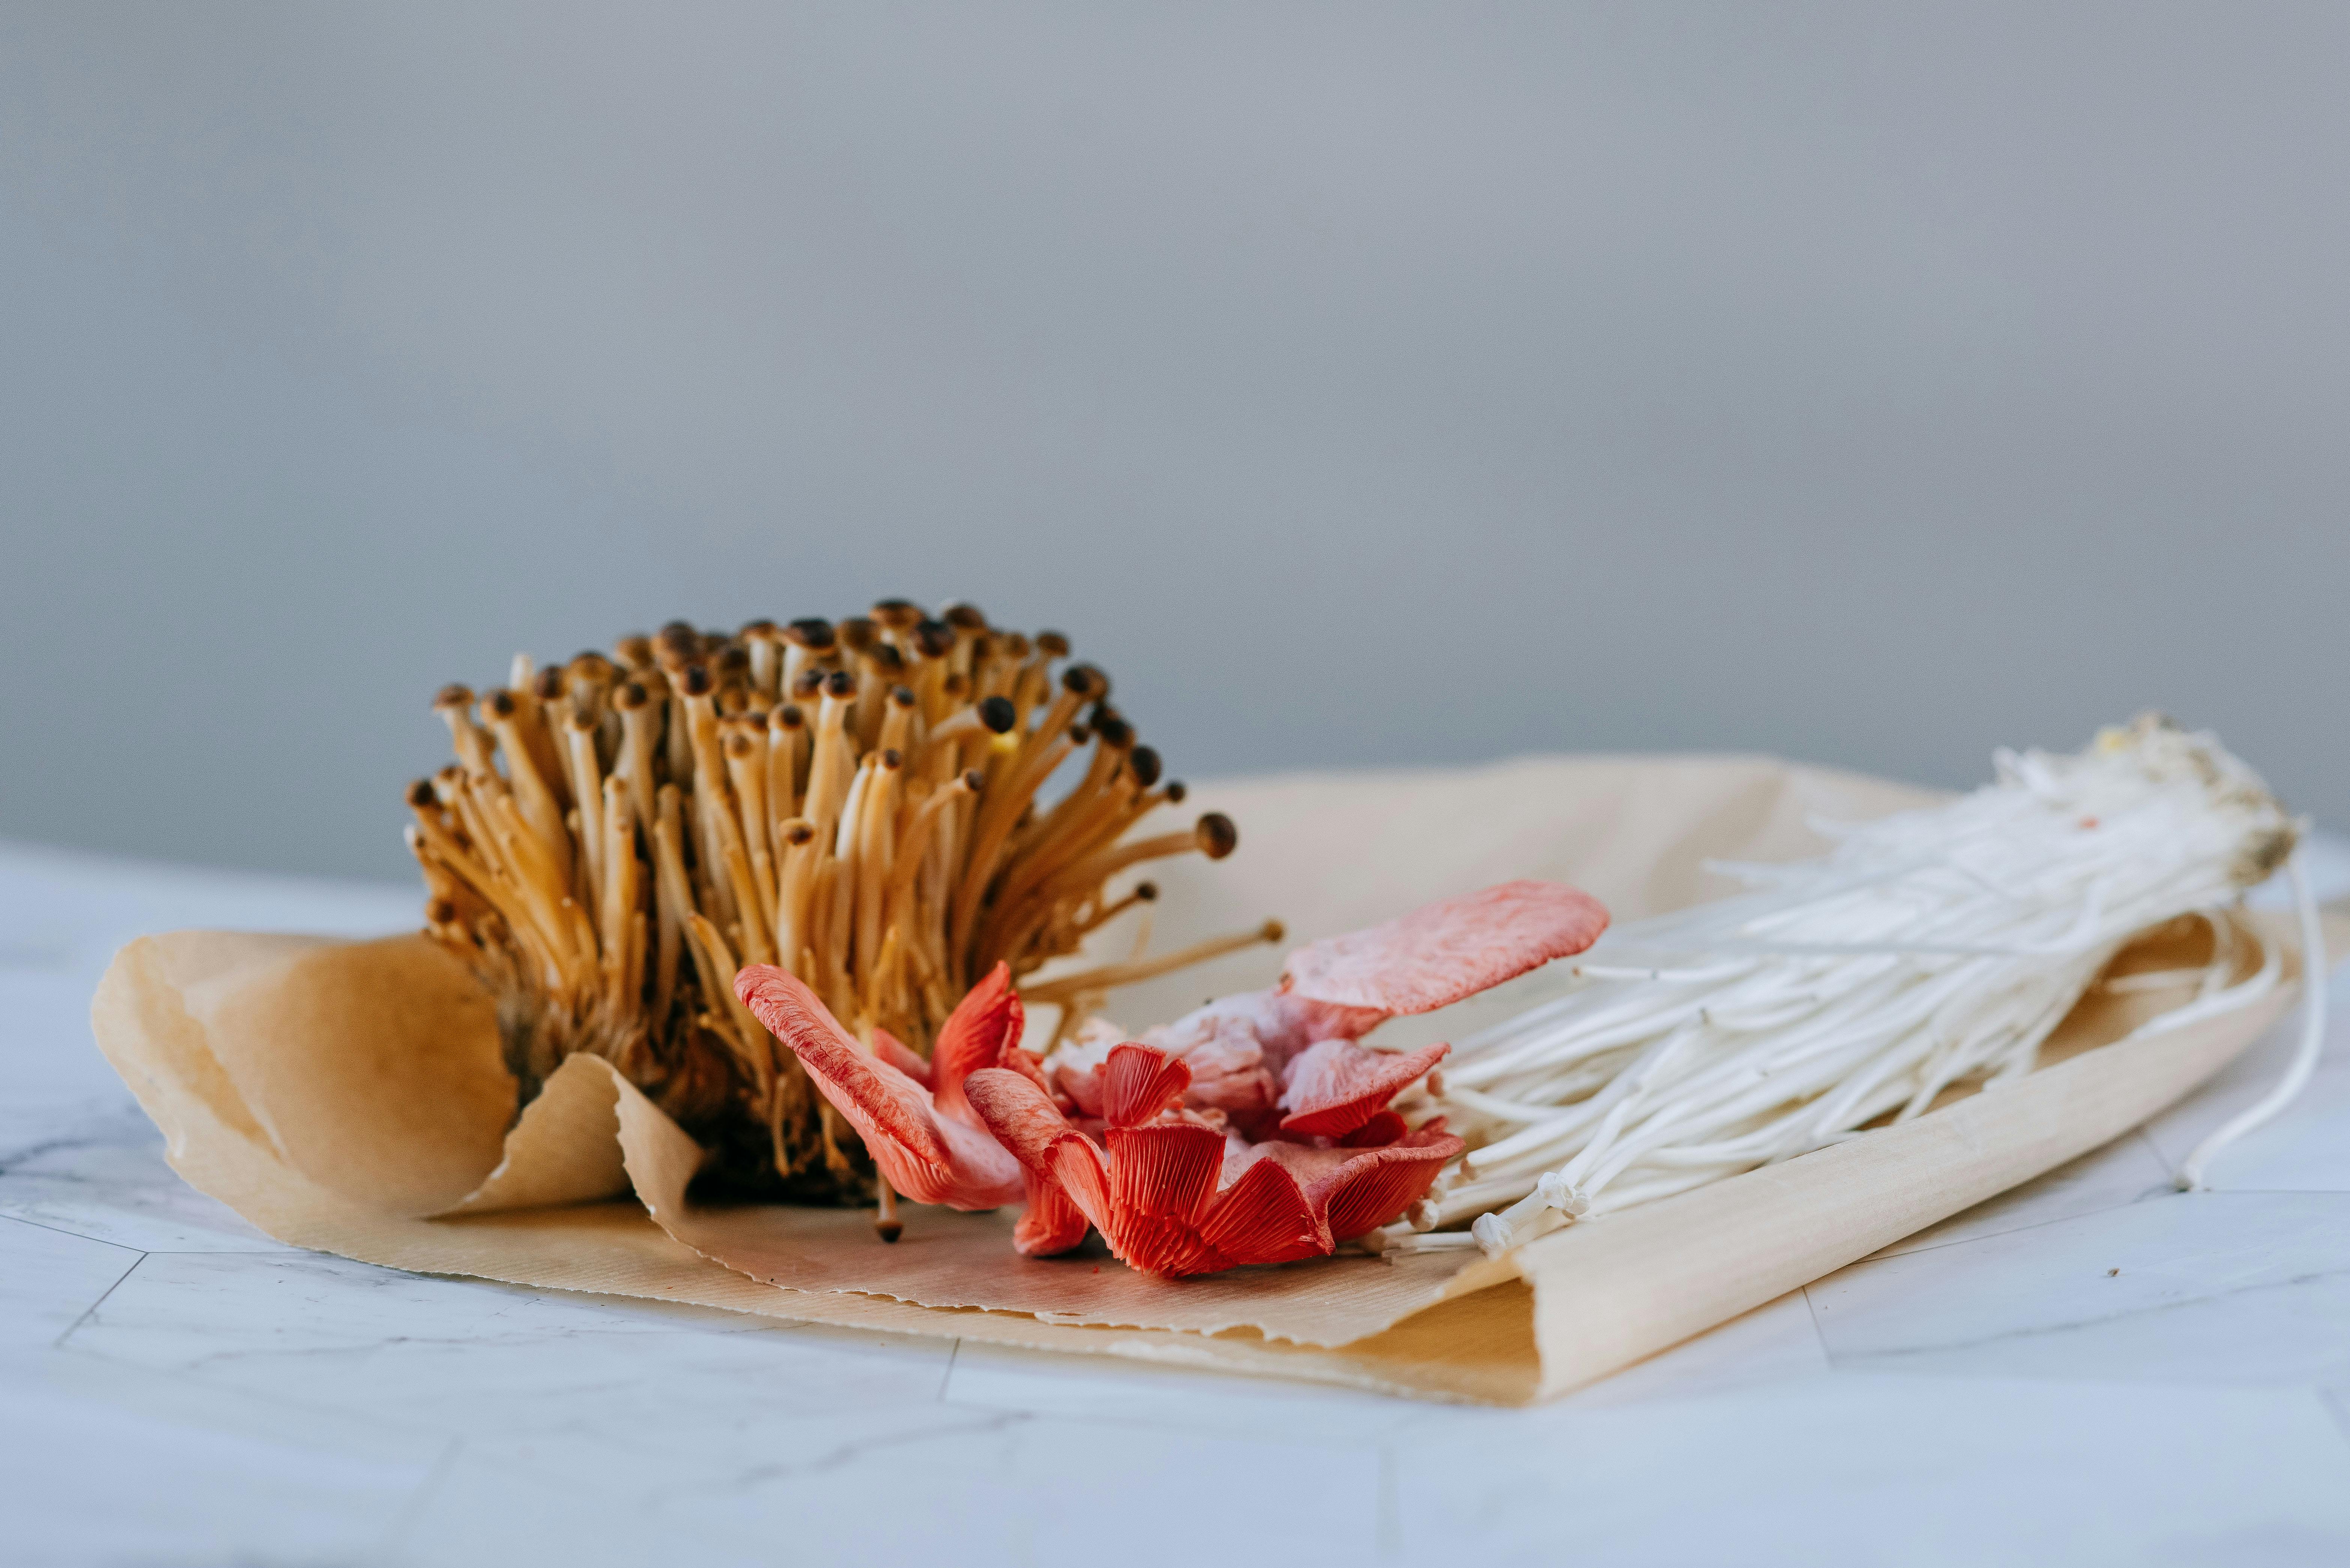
(472, 743)
(833, 766)
(766, 665)
(1144, 893)
(640, 733)
(908, 860)
(1109, 977)
(786, 728)
(541, 808)
(745, 1033)
(618, 911)
(530, 692)
(801, 857)
(673, 897)
(898, 723)
(999, 811)
(746, 770)
(1213, 835)
(875, 838)
(588, 790)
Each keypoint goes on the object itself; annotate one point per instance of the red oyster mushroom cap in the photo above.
(1443, 951)
(1245, 1050)
(929, 1157)
(1023, 1118)
(1384, 1128)
(1172, 1197)
(895, 1052)
(1162, 1179)
(1376, 1186)
(1050, 1223)
(1354, 1190)
(983, 1028)
(1138, 1083)
(1335, 1087)
(1265, 1217)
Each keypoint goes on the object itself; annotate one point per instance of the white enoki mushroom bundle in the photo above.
(1933, 948)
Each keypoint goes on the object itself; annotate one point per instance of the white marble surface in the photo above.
(2092, 1370)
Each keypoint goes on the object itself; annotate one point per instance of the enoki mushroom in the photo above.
(857, 803)
(1934, 949)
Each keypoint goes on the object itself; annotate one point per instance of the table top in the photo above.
(2091, 1369)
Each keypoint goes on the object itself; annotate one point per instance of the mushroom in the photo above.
(1256, 1130)
(851, 801)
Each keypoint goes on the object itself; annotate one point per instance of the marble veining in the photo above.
(99, 1172)
(2090, 1369)
(50, 1279)
(2202, 1287)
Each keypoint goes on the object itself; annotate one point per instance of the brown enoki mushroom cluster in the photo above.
(857, 802)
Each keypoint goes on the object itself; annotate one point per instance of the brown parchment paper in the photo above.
(348, 1097)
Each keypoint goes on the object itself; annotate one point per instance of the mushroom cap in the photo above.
(1449, 949)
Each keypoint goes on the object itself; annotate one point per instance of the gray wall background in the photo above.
(1870, 384)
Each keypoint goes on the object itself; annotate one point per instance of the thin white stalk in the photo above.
(2306, 1051)
(1934, 949)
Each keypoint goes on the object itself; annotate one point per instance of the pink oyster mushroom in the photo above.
(1255, 1130)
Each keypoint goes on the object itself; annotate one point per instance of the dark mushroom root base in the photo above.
(1255, 1131)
